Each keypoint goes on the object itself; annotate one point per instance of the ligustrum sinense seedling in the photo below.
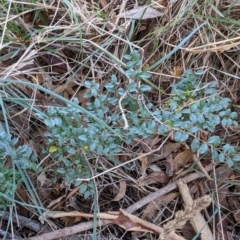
(12, 158)
(194, 106)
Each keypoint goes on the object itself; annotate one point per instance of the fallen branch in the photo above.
(22, 221)
(70, 230)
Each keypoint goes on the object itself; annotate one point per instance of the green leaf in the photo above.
(121, 91)
(94, 92)
(53, 149)
(135, 55)
(194, 129)
(185, 137)
(200, 72)
(235, 123)
(127, 56)
(114, 80)
(77, 182)
(214, 154)
(48, 123)
(236, 158)
(203, 148)
(195, 145)
(132, 87)
(88, 84)
(144, 75)
(97, 103)
(131, 73)
(112, 100)
(129, 64)
(213, 84)
(145, 88)
(61, 170)
(100, 149)
(193, 118)
(173, 105)
(214, 140)
(230, 162)
(93, 146)
(87, 94)
(83, 188)
(87, 194)
(233, 115)
(100, 113)
(226, 148)
(58, 121)
(221, 158)
(71, 150)
(180, 136)
(82, 137)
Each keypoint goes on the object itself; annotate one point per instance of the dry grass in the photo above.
(61, 44)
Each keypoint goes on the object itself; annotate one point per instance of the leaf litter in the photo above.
(157, 170)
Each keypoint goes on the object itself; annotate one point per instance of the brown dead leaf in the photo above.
(122, 191)
(157, 177)
(22, 196)
(188, 231)
(166, 150)
(177, 71)
(130, 222)
(69, 221)
(125, 222)
(154, 206)
(43, 179)
(169, 165)
(56, 201)
(104, 4)
(182, 159)
(142, 12)
(237, 216)
(27, 17)
(154, 168)
(222, 173)
(147, 144)
(65, 87)
(169, 148)
(204, 135)
(38, 79)
(144, 163)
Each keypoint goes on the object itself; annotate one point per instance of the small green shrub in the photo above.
(21, 156)
(194, 106)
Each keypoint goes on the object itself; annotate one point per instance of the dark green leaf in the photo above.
(230, 162)
(144, 75)
(195, 145)
(61, 170)
(214, 154)
(203, 148)
(83, 188)
(214, 140)
(236, 158)
(221, 158)
(144, 88)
